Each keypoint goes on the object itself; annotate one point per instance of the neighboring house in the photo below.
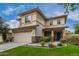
(33, 25)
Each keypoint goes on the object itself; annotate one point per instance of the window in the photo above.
(62, 21)
(27, 19)
(58, 22)
(55, 22)
(51, 22)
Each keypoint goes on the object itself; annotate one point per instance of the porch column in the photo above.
(42, 33)
(33, 32)
(52, 36)
(63, 34)
(33, 36)
(1, 39)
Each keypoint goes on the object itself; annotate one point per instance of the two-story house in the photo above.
(33, 25)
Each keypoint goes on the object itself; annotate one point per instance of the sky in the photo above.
(11, 11)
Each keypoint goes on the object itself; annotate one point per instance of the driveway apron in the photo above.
(7, 46)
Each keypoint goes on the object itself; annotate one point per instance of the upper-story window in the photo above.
(63, 21)
(58, 21)
(28, 19)
(51, 23)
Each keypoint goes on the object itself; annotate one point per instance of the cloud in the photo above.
(72, 15)
(10, 10)
(70, 29)
(13, 24)
(58, 13)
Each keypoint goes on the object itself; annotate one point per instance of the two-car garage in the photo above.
(23, 37)
(24, 34)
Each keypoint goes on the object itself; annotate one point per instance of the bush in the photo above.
(51, 45)
(70, 40)
(1, 42)
(60, 44)
(63, 41)
(42, 43)
(76, 43)
(73, 40)
(45, 39)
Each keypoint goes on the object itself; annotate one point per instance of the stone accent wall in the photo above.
(36, 39)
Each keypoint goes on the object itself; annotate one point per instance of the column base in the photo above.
(36, 39)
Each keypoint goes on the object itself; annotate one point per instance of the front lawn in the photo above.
(69, 50)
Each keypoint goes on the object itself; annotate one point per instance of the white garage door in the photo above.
(23, 37)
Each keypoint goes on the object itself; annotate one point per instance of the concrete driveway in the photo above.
(7, 46)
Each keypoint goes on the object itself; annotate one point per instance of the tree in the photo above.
(76, 28)
(3, 28)
(69, 7)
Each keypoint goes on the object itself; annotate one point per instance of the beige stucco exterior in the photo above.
(37, 19)
(54, 22)
(40, 23)
(33, 22)
(40, 19)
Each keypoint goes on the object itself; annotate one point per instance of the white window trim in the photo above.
(29, 19)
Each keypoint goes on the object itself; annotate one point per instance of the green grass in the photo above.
(69, 50)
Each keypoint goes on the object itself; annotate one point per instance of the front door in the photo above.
(57, 36)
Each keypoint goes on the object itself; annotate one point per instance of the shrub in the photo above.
(70, 40)
(42, 43)
(1, 42)
(45, 39)
(73, 40)
(51, 45)
(63, 41)
(76, 43)
(59, 44)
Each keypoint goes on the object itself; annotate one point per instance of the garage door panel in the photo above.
(23, 37)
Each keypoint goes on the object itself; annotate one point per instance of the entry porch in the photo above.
(54, 34)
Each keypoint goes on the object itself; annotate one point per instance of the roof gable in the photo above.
(41, 13)
(34, 10)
